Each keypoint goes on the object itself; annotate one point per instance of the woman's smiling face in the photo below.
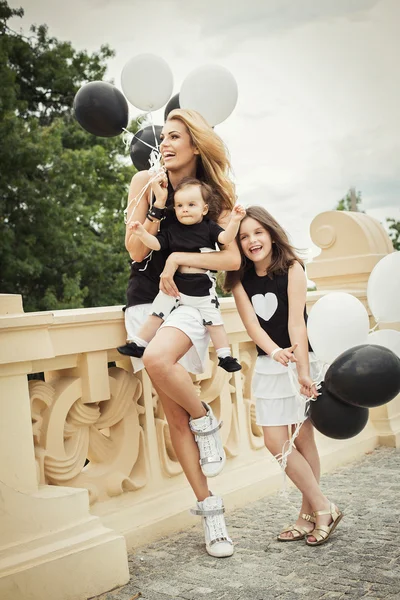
(255, 241)
(176, 145)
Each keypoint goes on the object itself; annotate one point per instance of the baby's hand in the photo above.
(137, 228)
(159, 186)
(238, 213)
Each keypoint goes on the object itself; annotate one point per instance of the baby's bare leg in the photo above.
(218, 336)
(149, 328)
(220, 341)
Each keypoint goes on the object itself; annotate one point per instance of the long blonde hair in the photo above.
(213, 166)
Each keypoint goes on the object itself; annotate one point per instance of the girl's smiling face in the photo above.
(255, 241)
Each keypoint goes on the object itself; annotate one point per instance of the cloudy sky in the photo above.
(319, 88)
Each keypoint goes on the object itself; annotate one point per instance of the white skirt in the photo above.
(276, 403)
(185, 318)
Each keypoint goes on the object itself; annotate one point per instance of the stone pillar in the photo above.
(51, 546)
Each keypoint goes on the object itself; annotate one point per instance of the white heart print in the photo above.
(265, 305)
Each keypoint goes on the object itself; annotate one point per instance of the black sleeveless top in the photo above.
(144, 279)
(270, 301)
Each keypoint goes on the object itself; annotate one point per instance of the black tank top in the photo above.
(269, 298)
(144, 279)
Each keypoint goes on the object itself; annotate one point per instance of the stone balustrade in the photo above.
(87, 463)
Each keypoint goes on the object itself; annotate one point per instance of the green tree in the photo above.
(394, 232)
(350, 201)
(62, 190)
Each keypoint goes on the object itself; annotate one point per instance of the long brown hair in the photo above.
(283, 253)
(213, 165)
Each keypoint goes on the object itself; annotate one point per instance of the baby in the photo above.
(193, 232)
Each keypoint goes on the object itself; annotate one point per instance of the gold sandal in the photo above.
(322, 533)
(301, 531)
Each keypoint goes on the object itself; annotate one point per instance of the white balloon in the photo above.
(147, 81)
(212, 91)
(389, 338)
(337, 322)
(383, 290)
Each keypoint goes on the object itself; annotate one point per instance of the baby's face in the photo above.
(189, 205)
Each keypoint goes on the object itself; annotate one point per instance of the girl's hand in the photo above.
(136, 228)
(167, 283)
(159, 187)
(286, 355)
(238, 213)
(307, 387)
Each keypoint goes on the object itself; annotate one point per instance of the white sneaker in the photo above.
(218, 543)
(208, 439)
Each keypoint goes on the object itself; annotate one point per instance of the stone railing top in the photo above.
(351, 244)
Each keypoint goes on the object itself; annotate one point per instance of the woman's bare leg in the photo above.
(180, 402)
(160, 360)
(184, 445)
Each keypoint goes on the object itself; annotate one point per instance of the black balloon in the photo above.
(172, 104)
(336, 419)
(366, 375)
(140, 151)
(101, 109)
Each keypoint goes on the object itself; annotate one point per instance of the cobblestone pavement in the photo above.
(361, 560)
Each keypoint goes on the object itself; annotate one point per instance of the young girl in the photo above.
(270, 293)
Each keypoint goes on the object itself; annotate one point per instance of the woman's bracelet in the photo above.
(275, 351)
(156, 213)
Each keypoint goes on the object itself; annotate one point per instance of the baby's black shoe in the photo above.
(229, 363)
(131, 349)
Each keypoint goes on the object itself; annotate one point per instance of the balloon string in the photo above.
(288, 446)
(154, 131)
(149, 257)
(154, 161)
(128, 136)
(138, 198)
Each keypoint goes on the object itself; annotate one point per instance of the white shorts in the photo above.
(185, 318)
(276, 403)
(164, 305)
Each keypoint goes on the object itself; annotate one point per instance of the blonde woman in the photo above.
(189, 148)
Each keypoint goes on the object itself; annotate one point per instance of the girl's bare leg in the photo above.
(299, 471)
(184, 445)
(305, 444)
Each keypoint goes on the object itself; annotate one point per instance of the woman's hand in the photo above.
(307, 387)
(286, 355)
(167, 283)
(136, 228)
(159, 187)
